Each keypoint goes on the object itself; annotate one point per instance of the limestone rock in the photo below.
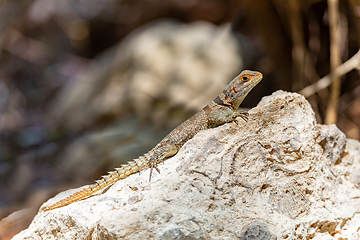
(278, 176)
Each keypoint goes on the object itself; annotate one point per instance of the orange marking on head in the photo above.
(234, 90)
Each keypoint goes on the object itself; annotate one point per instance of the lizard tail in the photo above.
(107, 180)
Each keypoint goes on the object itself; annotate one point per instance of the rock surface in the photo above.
(278, 176)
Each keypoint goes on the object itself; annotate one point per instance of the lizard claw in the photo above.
(153, 166)
(244, 116)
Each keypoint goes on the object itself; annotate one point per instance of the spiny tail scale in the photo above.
(120, 173)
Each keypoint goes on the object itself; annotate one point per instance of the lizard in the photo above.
(221, 110)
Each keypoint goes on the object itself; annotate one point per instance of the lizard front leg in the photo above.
(240, 113)
(224, 115)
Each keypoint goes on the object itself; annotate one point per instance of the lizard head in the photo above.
(238, 88)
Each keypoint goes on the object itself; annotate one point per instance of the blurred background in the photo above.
(86, 85)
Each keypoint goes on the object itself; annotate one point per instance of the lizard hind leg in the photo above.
(152, 163)
(165, 152)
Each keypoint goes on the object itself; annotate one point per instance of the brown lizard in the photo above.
(223, 109)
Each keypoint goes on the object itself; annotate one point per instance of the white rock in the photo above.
(278, 176)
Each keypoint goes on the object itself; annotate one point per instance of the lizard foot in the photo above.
(243, 114)
(153, 165)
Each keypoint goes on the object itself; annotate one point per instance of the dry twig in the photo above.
(352, 63)
(335, 61)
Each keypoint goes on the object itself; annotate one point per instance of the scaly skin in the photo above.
(221, 110)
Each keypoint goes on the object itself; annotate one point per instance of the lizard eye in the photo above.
(245, 79)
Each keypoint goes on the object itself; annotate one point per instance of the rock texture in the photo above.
(278, 176)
